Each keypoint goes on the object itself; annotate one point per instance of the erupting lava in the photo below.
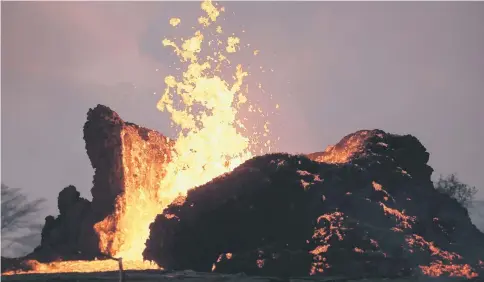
(203, 106)
(211, 141)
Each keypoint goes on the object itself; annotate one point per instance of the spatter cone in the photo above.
(365, 207)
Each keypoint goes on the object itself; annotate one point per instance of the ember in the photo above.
(209, 106)
(151, 171)
(399, 215)
(439, 269)
(364, 207)
(261, 212)
(343, 151)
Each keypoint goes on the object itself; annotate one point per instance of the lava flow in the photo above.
(212, 140)
(203, 108)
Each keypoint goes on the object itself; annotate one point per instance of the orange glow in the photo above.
(342, 154)
(358, 250)
(81, 266)
(123, 233)
(454, 270)
(404, 219)
(321, 236)
(319, 250)
(203, 108)
(211, 141)
(419, 241)
(445, 262)
(377, 186)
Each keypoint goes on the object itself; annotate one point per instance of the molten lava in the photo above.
(203, 107)
(211, 141)
(343, 152)
(81, 266)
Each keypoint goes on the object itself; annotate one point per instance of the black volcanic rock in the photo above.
(116, 150)
(102, 133)
(71, 234)
(365, 207)
(120, 153)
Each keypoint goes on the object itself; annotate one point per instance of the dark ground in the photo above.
(365, 207)
(191, 276)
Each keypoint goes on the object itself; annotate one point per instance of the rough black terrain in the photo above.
(365, 207)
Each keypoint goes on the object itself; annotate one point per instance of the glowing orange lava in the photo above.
(322, 236)
(342, 153)
(203, 108)
(212, 140)
(437, 268)
(82, 266)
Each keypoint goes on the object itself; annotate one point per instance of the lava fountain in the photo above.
(205, 110)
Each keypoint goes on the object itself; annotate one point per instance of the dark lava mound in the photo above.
(365, 207)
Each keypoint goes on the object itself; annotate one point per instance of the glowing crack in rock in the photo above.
(321, 236)
(403, 219)
(437, 268)
(445, 262)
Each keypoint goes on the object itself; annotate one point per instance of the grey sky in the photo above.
(413, 68)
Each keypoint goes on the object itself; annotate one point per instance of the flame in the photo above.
(81, 266)
(203, 107)
(212, 140)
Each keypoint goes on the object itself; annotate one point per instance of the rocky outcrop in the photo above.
(70, 235)
(121, 154)
(124, 156)
(365, 207)
(102, 134)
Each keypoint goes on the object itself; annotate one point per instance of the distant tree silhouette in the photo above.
(20, 227)
(453, 187)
